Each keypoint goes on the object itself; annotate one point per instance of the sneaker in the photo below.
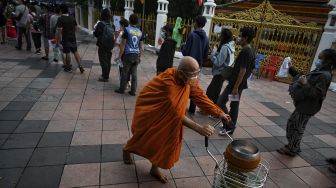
(81, 69)
(68, 69)
(56, 60)
(128, 84)
(18, 48)
(45, 58)
(102, 79)
(38, 52)
(119, 91)
(131, 93)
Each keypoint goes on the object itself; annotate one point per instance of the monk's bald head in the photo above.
(188, 64)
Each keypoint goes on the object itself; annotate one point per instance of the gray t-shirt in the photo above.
(53, 22)
(23, 21)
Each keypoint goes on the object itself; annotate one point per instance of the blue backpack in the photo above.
(107, 39)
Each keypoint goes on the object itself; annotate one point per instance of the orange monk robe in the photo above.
(157, 122)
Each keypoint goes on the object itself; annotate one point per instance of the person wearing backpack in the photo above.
(223, 62)
(130, 51)
(104, 33)
(308, 93)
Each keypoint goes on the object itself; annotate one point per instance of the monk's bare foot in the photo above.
(155, 172)
(127, 157)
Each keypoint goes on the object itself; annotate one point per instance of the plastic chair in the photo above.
(258, 60)
(271, 66)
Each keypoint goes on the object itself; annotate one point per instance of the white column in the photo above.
(81, 21)
(129, 7)
(106, 4)
(90, 14)
(77, 14)
(161, 19)
(209, 12)
(327, 39)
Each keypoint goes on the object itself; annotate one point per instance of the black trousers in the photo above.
(234, 105)
(23, 31)
(37, 40)
(215, 87)
(105, 61)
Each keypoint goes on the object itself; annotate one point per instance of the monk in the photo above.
(159, 116)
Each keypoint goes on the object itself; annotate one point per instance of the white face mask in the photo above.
(318, 63)
(163, 34)
(238, 40)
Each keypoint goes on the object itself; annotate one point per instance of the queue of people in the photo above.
(45, 26)
(160, 111)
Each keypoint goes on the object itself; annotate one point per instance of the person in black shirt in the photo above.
(242, 69)
(166, 55)
(104, 54)
(66, 27)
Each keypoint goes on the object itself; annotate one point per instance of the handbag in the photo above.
(227, 70)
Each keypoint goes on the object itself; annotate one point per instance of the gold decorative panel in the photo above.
(276, 34)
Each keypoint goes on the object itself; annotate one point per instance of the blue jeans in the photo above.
(234, 105)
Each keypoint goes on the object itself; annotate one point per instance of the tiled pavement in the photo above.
(62, 129)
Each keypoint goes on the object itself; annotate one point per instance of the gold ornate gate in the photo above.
(276, 34)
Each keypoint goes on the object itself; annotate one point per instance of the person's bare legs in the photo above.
(78, 60)
(155, 172)
(77, 57)
(127, 157)
(68, 59)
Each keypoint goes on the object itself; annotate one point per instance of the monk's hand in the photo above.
(206, 130)
(225, 117)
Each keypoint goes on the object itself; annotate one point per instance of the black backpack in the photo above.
(36, 23)
(107, 39)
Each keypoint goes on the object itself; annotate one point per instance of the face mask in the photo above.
(318, 63)
(238, 40)
(163, 34)
(193, 81)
